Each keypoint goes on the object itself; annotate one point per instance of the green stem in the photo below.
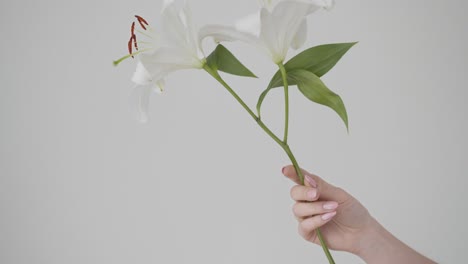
(215, 75)
(324, 246)
(301, 178)
(283, 144)
(286, 101)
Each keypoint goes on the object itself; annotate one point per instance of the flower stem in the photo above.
(286, 101)
(301, 178)
(215, 75)
(283, 144)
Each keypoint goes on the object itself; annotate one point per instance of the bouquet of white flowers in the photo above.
(275, 28)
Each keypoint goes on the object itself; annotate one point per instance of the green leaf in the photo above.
(315, 90)
(221, 59)
(318, 60)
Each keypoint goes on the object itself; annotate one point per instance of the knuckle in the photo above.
(293, 192)
(311, 194)
(306, 225)
(296, 209)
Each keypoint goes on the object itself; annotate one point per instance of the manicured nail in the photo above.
(312, 193)
(311, 181)
(328, 216)
(330, 205)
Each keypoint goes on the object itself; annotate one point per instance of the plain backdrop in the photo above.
(82, 182)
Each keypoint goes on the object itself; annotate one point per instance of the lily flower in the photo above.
(275, 29)
(176, 47)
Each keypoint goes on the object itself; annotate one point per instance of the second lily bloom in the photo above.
(274, 29)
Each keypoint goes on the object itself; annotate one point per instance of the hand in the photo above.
(343, 220)
(345, 223)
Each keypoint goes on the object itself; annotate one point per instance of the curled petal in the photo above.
(139, 102)
(160, 86)
(139, 99)
(227, 33)
(141, 75)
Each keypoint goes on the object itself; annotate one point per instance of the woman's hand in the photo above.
(344, 221)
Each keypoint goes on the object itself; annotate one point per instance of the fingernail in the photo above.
(328, 216)
(312, 193)
(330, 205)
(282, 170)
(311, 181)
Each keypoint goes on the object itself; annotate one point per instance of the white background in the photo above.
(82, 182)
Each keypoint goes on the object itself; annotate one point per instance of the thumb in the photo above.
(325, 190)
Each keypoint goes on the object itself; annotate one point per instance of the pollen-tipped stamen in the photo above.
(132, 42)
(132, 29)
(142, 22)
(135, 42)
(130, 46)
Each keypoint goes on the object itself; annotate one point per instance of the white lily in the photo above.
(276, 28)
(177, 47)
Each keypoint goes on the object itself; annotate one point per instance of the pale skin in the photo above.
(345, 223)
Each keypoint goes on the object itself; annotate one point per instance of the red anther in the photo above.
(142, 22)
(130, 46)
(135, 42)
(132, 30)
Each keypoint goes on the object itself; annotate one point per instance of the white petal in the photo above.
(325, 4)
(179, 29)
(280, 27)
(139, 102)
(249, 24)
(141, 75)
(171, 56)
(192, 32)
(269, 35)
(160, 86)
(226, 33)
(301, 36)
(140, 96)
(153, 67)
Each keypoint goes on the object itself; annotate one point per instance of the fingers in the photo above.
(290, 172)
(325, 190)
(304, 193)
(308, 226)
(316, 201)
(302, 210)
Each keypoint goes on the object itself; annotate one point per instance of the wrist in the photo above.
(377, 245)
(374, 240)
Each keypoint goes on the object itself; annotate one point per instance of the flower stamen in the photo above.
(133, 43)
(130, 46)
(142, 22)
(132, 29)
